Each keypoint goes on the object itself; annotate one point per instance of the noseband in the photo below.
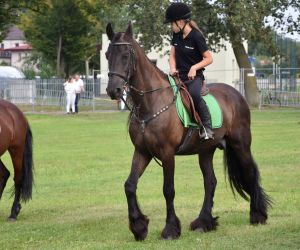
(131, 66)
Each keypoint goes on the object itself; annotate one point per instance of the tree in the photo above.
(61, 33)
(68, 32)
(100, 12)
(148, 20)
(10, 10)
(235, 21)
(247, 20)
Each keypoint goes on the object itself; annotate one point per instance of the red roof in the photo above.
(22, 47)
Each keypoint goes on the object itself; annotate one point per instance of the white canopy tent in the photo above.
(10, 72)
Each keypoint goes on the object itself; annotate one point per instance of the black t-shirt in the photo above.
(188, 51)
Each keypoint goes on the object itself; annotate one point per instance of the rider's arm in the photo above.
(172, 61)
(207, 60)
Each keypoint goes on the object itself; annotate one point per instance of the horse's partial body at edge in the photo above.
(161, 137)
(16, 137)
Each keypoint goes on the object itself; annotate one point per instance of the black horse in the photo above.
(156, 131)
(16, 137)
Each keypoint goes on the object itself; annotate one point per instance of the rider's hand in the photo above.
(192, 73)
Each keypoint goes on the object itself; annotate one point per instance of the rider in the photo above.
(188, 56)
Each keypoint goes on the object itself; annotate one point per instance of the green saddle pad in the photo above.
(213, 107)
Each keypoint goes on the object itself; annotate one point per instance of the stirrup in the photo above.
(206, 135)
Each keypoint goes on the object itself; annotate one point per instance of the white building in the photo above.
(14, 38)
(14, 49)
(224, 68)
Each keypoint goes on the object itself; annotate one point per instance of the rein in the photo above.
(165, 108)
(142, 92)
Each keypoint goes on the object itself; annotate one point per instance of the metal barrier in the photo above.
(279, 98)
(38, 94)
(280, 87)
(277, 79)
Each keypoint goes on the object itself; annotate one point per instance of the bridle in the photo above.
(131, 66)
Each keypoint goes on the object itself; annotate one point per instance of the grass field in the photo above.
(81, 163)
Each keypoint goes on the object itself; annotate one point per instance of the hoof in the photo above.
(204, 224)
(11, 219)
(15, 212)
(258, 218)
(171, 231)
(139, 227)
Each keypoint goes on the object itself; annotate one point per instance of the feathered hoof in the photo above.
(139, 227)
(204, 224)
(171, 231)
(258, 218)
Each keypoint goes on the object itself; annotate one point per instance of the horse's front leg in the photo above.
(172, 229)
(138, 222)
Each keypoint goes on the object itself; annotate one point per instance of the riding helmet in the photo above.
(177, 11)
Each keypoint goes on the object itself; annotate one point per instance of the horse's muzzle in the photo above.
(114, 93)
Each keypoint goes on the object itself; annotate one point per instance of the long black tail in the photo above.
(27, 179)
(245, 179)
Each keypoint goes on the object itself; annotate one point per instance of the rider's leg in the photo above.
(194, 88)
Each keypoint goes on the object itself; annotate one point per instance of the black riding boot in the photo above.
(206, 131)
(194, 89)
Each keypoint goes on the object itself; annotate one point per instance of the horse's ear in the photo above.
(129, 31)
(109, 31)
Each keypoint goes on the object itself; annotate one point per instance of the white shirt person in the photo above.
(79, 89)
(70, 89)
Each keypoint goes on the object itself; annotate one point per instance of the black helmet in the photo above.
(177, 11)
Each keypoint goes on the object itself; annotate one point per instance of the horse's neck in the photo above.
(148, 77)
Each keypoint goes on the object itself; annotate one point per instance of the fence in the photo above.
(280, 87)
(279, 98)
(38, 94)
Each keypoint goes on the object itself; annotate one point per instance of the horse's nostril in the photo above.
(114, 93)
(110, 93)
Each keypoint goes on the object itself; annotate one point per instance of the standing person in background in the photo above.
(79, 89)
(70, 88)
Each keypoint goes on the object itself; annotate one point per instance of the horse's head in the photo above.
(121, 60)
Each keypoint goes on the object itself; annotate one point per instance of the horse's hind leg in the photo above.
(17, 158)
(244, 176)
(138, 222)
(4, 175)
(205, 221)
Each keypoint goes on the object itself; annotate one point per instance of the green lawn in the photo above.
(82, 162)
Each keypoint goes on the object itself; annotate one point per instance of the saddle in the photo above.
(189, 103)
